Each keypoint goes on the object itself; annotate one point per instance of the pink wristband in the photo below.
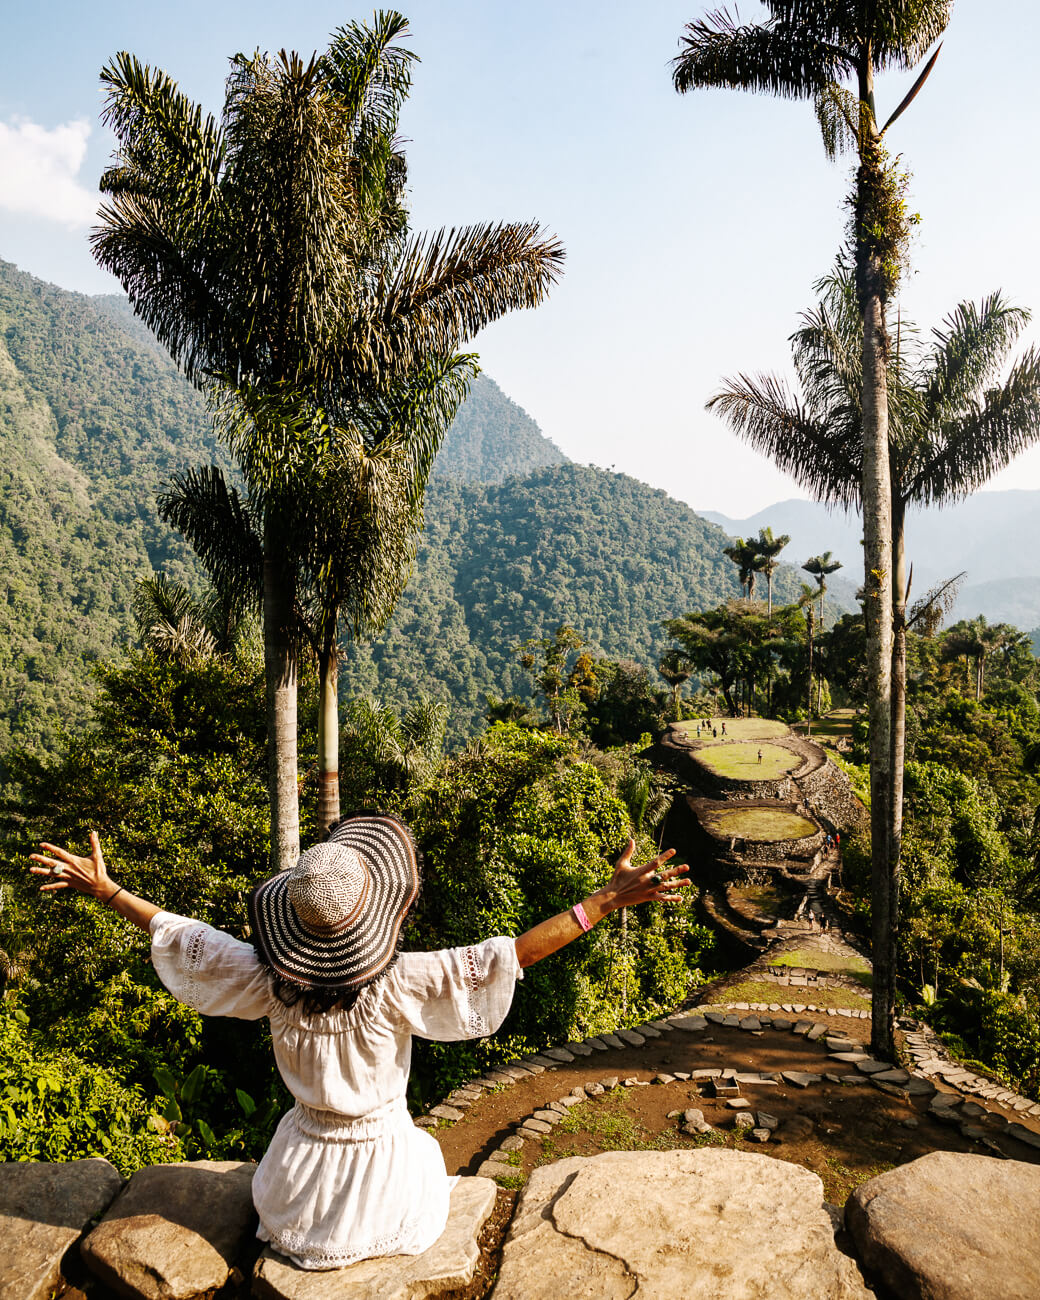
(581, 918)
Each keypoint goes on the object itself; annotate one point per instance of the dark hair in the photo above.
(317, 1002)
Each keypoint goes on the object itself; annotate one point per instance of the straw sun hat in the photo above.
(332, 921)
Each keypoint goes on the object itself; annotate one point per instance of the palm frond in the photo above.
(964, 452)
(370, 71)
(782, 56)
(220, 528)
(767, 415)
(170, 623)
(451, 284)
(969, 351)
(898, 33)
(166, 147)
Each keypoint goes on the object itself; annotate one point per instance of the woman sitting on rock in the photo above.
(348, 1176)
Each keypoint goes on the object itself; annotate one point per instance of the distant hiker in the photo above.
(837, 840)
(723, 728)
(760, 756)
(715, 732)
(698, 731)
(348, 1175)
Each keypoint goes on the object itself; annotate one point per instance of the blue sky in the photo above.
(694, 225)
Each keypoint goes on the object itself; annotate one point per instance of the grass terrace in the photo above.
(741, 762)
(739, 729)
(760, 991)
(766, 825)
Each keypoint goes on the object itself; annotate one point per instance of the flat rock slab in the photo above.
(43, 1210)
(448, 1265)
(175, 1231)
(711, 1225)
(952, 1227)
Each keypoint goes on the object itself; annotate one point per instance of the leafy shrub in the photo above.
(56, 1106)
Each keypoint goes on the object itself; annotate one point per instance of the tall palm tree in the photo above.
(807, 49)
(675, 669)
(821, 567)
(768, 548)
(354, 532)
(269, 253)
(957, 416)
(748, 562)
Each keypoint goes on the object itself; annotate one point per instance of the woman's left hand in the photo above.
(652, 883)
(67, 870)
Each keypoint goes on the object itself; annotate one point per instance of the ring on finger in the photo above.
(656, 878)
(57, 871)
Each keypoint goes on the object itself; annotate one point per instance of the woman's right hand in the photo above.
(65, 870)
(651, 883)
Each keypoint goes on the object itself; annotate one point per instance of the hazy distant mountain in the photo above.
(987, 537)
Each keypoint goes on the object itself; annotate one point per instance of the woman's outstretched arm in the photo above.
(628, 886)
(65, 870)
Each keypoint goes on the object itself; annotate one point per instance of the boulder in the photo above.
(703, 1225)
(951, 1227)
(176, 1231)
(448, 1265)
(43, 1210)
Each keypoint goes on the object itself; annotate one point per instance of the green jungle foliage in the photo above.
(170, 771)
(970, 896)
(56, 1106)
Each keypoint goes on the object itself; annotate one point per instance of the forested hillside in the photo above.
(500, 563)
(94, 419)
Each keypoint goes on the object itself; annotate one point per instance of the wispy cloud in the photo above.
(38, 169)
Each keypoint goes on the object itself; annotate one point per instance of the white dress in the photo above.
(347, 1175)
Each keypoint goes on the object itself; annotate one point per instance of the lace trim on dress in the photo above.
(296, 1245)
(476, 1022)
(193, 960)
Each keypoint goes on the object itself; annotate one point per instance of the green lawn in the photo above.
(740, 729)
(762, 991)
(815, 959)
(741, 761)
(764, 824)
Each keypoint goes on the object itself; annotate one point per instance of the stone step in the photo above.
(448, 1265)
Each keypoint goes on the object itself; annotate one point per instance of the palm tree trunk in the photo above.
(877, 585)
(895, 807)
(328, 738)
(808, 713)
(280, 673)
